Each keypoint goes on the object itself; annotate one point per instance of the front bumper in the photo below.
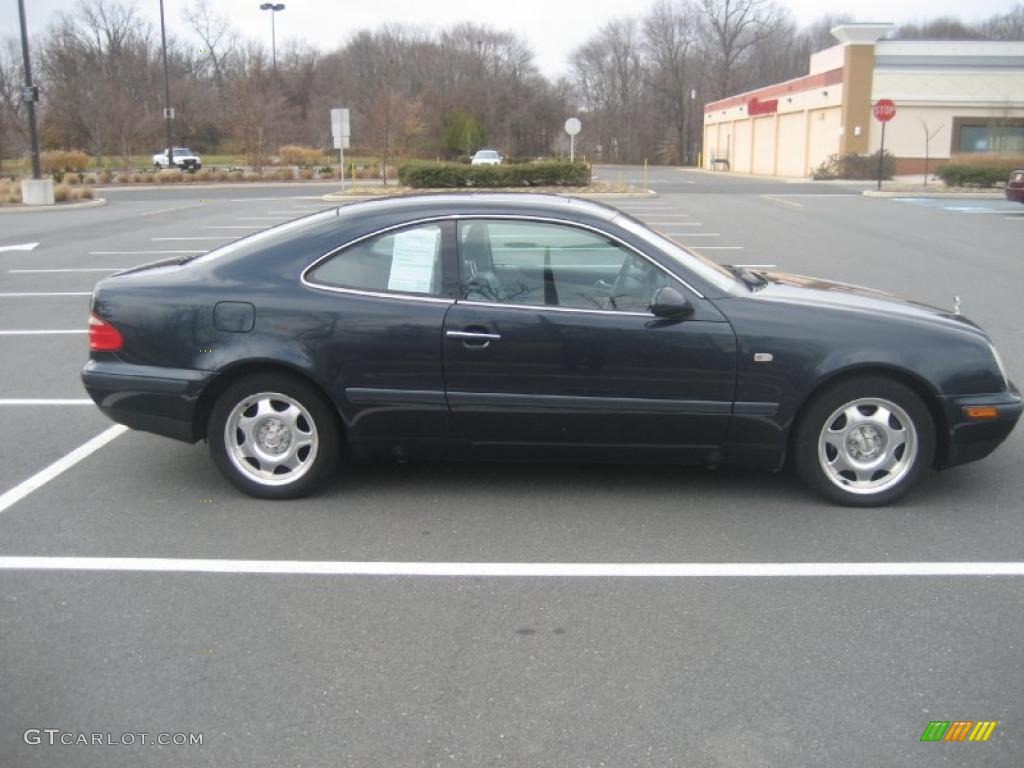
(1015, 194)
(149, 398)
(973, 439)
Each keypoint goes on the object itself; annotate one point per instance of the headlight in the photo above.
(999, 364)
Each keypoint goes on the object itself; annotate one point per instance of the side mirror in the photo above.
(668, 302)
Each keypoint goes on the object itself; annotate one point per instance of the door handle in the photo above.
(473, 335)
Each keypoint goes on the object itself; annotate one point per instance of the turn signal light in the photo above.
(103, 337)
(981, 412)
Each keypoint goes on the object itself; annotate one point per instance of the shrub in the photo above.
(59, 160)
(452, 175)
(251, 176)
(236, 176)
(69, 178)
(221, 175)
(956, 175)
(854, 166)
(82, 193)
(203, 175)
(305, 173)
(281, 174)
(61, 192)
(296, 154)
(103, 177)
(89, 178)
(170, 176)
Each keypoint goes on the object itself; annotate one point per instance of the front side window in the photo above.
(554, 265)
(405, 261)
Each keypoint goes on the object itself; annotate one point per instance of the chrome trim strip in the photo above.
(506, 217)
(545, 308)
(472, 335)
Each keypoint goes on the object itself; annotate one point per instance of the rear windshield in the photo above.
(266, 237)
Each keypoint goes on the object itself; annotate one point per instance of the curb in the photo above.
(911, 193)
(56, 207)
(340, 197)
(214, 185)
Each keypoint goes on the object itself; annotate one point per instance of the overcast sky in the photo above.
(552, 27)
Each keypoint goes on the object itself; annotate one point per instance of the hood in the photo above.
(800, 289)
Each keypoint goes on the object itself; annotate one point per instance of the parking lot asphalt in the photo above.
(476, 670)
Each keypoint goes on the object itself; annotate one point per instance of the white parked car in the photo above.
(183, 158)
(486, 157)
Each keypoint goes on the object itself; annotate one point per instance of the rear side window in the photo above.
(403, 261)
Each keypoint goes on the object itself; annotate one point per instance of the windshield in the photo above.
(713, 273)
(486, 153)
(182, 151)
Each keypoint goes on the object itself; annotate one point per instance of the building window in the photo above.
(999, 135)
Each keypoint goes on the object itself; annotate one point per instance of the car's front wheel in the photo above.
(273, 436)
(865, 441)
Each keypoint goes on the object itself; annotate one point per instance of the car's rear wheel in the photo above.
(273, 436)
(865, 441)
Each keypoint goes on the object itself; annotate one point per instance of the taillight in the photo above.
(103, 337)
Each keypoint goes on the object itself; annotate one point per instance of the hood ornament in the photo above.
(956, 305)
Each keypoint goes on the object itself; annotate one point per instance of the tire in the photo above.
(864, 442)
(273, 436)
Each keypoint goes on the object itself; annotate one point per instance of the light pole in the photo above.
(168, 112)
(273, 8)
(29, 94)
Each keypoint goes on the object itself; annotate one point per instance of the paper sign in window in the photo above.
(413, 259)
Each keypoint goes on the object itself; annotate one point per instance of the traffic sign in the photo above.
(572, 126)
(29, 93)
(884, 110)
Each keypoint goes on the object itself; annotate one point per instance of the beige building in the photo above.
(968, 96)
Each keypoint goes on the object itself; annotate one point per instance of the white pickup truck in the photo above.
(183, 158)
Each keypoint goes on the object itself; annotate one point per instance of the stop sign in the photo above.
(884, 110)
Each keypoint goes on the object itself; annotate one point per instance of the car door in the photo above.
(552, 343)
(387, 296)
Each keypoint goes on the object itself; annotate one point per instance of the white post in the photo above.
(572, 149)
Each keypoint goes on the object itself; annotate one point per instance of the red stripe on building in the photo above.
(796, 85)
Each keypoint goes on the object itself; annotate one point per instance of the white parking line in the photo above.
(43, 333)
(717, 247)
(518, 570)
(223, 226)
(262, 218)
(201, 237)
(50, 401)
(76, 269)
(41, 478)
(137, 253)
(33, 295)
(703, 234)
(168, 210)
(290, 197)
(676, 223)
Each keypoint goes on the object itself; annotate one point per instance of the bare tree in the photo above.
(732, 29)
(671, 31)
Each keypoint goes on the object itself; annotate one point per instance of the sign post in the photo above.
(341, 131)
(884, 111)
(572, 127)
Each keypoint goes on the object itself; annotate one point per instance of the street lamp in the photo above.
(168, 111)
(273, 8)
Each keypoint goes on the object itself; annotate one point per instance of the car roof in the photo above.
(482, 202)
